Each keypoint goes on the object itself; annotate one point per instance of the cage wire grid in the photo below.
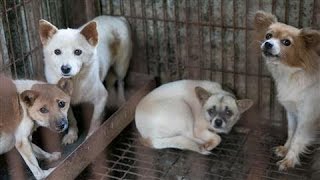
(239, 156)
(21, 50)
(177, 39)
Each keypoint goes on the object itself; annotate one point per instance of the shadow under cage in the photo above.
(173, 39)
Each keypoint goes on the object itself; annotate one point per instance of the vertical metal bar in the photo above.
(12, 58)
(121, 8)
(131, 8)
(4, 55)
(300, 13)
(287, 12)
(259, 75)
(27, 39)
(273, 6)
(165, 33)
(19, 36)
(223, 31)
(48, 10)
(37, 60)
(177, 34)
(234, 42)
(316, 14)
(187, 13)
(145, 34)
(155, 38)
(247, 29)
(210, 36)
(200, 35)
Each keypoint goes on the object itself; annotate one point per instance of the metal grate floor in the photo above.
(241, 155)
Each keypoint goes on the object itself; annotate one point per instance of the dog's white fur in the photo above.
(109, 47)
(22, 136)
(299, 93)
(175, 115)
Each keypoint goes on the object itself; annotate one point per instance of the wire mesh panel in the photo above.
(239, 156)
(20, 47)
(209, 39)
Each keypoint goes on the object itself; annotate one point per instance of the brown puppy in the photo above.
(26, 104)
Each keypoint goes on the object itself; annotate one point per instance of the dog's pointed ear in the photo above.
(65, 85)
(311, 37)
(46, 31)
(28, 97)
(262, 20)
(202, 94)
(90, 33)
(244, 105)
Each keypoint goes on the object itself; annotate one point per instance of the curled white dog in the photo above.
(187, 115)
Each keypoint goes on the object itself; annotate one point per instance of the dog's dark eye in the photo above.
(229, 112)
(57, 51)
(61, 104)
(212, 111)
(44, 110)
(268, 35)
(77, 52)
(286, 42)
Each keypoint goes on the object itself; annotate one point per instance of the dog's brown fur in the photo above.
(22, 102)
(10, 110)
(302, 53)
(90, 33)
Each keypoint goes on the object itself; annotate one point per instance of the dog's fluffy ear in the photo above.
(46, 31)
(244, 105)
(202, 94)
(65, 85)
(29, 96)
(262, 20)
(90, 33)
(311, 37)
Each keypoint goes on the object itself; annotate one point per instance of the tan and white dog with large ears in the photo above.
(291, 57)
(25, 105)
(101, 48)
(188, 114)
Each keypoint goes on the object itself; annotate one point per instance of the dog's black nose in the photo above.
(218, 123)
(66, 69)
(268, 45)
(62, 124)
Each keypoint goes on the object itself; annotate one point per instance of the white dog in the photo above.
(187, 114)
(86, 55)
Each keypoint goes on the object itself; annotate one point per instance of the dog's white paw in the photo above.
(202, 150)
(280, 151)
(54, 156)
(212, 143)
(287, 163)
(69, 138)
(44, 173)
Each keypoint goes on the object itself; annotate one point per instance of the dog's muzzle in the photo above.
(61, 125)
(268, 48)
